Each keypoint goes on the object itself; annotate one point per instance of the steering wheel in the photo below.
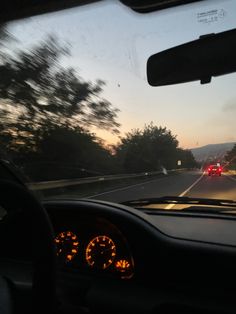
(13, 198)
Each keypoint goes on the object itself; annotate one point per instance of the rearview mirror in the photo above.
(145, 6)
(201, 59)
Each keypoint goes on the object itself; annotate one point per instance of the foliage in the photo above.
(147, 149)
(46, 112)
(151, 149)
(187, 158)
(4, 34)
(41, 94)
(230, 158)
(67, 153)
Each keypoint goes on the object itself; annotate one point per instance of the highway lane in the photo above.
(223, 187)
(192, 184)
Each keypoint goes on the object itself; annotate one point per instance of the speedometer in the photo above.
(67, 245)
(100, 252)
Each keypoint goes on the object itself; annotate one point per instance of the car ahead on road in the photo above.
(105, 209)
(214, 170)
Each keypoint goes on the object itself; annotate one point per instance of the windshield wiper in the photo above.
(175, 200)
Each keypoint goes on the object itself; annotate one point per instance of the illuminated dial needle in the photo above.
(67, 245)
(100, 252)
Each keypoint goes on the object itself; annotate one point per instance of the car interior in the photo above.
(93, 255)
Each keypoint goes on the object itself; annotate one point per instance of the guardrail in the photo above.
(70, 182)
(45, 185)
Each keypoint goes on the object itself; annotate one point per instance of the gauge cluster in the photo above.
(101, 252)
(66, 245)
(93, 246)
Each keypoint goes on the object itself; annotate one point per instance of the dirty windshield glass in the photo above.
(79, 119)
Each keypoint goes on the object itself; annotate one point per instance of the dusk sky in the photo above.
(110, 42)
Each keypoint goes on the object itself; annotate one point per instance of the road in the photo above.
(192, 184)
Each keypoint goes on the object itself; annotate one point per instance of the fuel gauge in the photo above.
(125, 268)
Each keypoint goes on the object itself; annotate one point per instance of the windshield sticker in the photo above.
(211, 16)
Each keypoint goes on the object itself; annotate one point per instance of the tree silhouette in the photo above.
(67, 153)
(187, 158)
(148, 149)
(5, 36)
(41, 95)
(230, 157)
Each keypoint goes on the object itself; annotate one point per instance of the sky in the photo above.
(108, 41)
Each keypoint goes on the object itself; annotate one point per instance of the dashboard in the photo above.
(170, 262)
(108, 240)
(92, 244)
(118, 259)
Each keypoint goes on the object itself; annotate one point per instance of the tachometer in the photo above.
(100, 252)
(67, 245)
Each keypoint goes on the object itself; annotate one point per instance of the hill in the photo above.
(211, 151)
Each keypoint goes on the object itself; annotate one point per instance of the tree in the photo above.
(5, 38)
(187, 158)
(4, 34)
(230, 157)
(148, 149)
(39, 94)
(67, 153)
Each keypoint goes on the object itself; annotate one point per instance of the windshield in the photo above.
(79, 119)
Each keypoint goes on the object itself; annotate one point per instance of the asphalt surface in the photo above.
(191, 184)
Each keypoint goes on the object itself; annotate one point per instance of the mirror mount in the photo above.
(206, 80)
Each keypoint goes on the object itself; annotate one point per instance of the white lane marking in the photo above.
(186, 191)
(125, 188)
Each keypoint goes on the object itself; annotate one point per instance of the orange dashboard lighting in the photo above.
(66, 245)
(69, 257)
(100, 252)
(122, 265)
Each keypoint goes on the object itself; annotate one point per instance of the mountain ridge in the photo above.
(211, 151)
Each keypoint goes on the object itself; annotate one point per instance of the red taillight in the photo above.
(209, 169)
(220, 169)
